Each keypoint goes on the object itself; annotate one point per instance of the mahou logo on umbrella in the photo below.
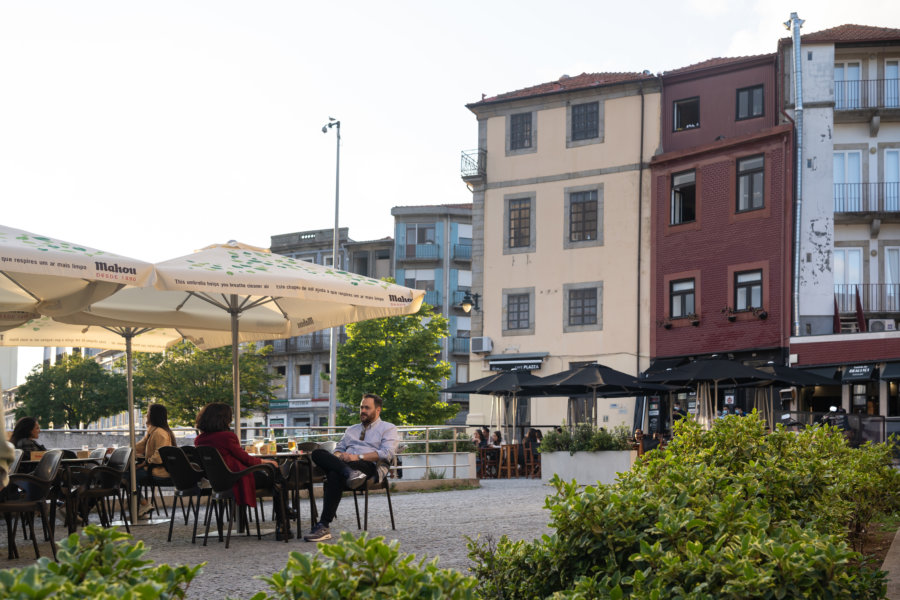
(115, 271)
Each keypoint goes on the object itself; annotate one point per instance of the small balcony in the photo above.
(864, 94)
(457, 297)
(874, 198)
(433, 297)
(419, 252)
(462, 252)
(459, 345)
(880, 302)
(473, 166)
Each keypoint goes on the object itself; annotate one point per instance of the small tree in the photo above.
(74, 392)
(397, 358)
(185, 379)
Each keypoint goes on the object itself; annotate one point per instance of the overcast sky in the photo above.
(152, 129)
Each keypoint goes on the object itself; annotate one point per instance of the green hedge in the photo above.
(415, 441)
(100, 564)
(727, 513)
(362, 569)
(586, 438)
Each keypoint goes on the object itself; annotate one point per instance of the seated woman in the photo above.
(214, 425)
(24, 436)
(496, 439)
(158, 435)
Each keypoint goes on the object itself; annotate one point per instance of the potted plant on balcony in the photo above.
(760, 313)
(729, 314)
(694, 318)
(664, 323)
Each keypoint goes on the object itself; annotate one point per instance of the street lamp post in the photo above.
(335, 263)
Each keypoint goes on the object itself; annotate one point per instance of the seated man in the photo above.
(366, 450)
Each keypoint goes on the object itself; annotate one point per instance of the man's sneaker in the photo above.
(144, 509)
(319, 533)
(356, 479)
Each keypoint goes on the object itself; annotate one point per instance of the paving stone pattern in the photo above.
(428, 525)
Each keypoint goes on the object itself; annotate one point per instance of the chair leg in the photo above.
(30, 523)
(233, 507)
(11, 522)
(196, 508)
(356, 504)
(122, 510)
(48, 527)
(387, 491)
(172, 519)
(366, 517)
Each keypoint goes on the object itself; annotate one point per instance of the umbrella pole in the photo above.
(235, 365)
(129, 368)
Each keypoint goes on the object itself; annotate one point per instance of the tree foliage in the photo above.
(398, 359)
(184, 379)
(74, 392)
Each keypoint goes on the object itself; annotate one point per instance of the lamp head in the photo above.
(469, 302)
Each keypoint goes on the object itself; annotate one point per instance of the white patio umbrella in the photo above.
(40, 275)
(256, 292)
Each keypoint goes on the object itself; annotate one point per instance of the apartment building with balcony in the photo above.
(434, 253)
(561, 231)
(721, 219)
(848, 200)
(299, 362)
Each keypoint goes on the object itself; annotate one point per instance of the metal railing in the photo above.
(419, 251)
(311, 342)
(866, 93)
(473, 164)
(459, 345)
(860, 428)
(433, 297)
(462, 251)
(874, 297)
(872, 197)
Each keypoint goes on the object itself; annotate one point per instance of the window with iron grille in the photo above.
(520, 223)
(585, 121)
(750, 102)
(583, 306)
(681, 298)
(517, 311)
(684, 198)
(583, 216)
(520, 131)
(748, 290)
(750, 174)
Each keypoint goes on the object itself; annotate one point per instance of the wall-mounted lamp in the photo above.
(469, 302)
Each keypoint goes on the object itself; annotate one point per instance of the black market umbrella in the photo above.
(702, 373)
(596, 380)
(504, 385)
(784, 375)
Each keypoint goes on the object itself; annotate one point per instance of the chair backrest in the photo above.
(330, 445)
(191, 453)
(49, 465)
(120, 459)
(98, 453)
(69, 454)
(184, 475)
(307, 446)
(220, 477)
(17, 458)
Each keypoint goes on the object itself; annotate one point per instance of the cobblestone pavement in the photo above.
(429, 525)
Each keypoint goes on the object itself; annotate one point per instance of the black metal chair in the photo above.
(102, 485)
(187, 482)
(17, 458)
(372, 484)
(98, 454)
(222, 479)
(28, 493)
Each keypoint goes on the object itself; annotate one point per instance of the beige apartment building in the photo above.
(561, 219)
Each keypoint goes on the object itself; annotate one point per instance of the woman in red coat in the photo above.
(214, 425)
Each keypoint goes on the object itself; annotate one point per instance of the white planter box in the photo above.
(414, 465)
(586, 468)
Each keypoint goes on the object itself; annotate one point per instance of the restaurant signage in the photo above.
(858, 373)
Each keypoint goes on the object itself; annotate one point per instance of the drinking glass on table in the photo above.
(258, 442)
(292, 445)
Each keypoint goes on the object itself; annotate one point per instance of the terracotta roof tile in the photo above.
(568, 84)
(716, 62)
(852, 33)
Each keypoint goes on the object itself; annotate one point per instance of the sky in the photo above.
(152, 129)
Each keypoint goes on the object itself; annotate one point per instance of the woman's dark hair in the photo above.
(23, 429)
(499, 436)
(532, 435)
(478, 435)
(215, 416)
(158, 416)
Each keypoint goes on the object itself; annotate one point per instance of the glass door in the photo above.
(848, 195)
(847, 277)
(892, 84)
(891, 291)
(847, 86)
(892, 180)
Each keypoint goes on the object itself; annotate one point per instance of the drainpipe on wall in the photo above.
(637, 354)
(794, 25)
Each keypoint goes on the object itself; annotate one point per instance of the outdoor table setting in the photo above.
(298, 462)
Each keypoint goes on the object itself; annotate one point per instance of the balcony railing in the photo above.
(875, 197)
(462, 252)
(459, 345)
(866, 93)
(473, 164)
(312, 342)
(419, 251)
(458, 296)
(874, 297)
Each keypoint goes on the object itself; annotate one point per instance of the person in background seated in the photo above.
(158, 434)
(652, 443)
(639, 440)
(366, 450)
(496, 439)
(24, 436)
(214, 425)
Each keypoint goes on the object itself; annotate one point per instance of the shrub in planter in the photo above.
(726, 513)
(100, 564)
(463, 444)
(586, 438)
(364, 568)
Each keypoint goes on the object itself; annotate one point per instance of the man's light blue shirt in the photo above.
(381, 437)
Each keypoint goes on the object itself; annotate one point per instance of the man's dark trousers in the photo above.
(335, 480)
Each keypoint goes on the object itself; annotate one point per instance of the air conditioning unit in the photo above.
(882, 325)
(480, 345)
